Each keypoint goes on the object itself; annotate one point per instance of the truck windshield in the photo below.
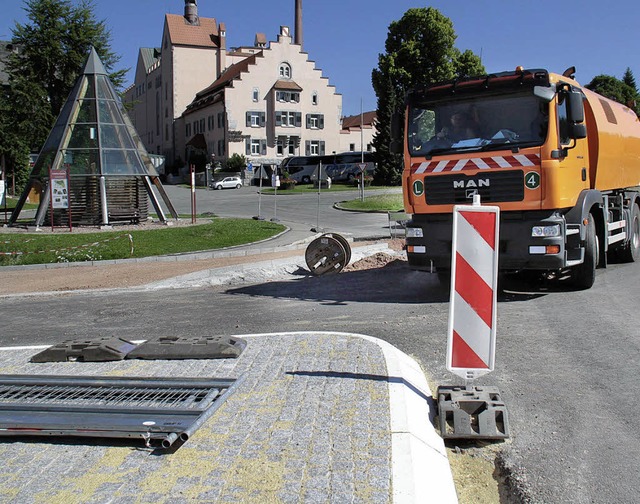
(478, 123)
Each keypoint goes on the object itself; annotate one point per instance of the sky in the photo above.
(345, 37)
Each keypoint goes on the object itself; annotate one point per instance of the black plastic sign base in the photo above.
(472, 413)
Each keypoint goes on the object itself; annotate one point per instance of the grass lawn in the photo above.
(12, 202)
(38, 248)
(377, 203)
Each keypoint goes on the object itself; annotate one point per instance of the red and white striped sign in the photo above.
(474, 280)
(483, 163)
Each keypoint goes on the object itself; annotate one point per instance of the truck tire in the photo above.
(631, 251)
(584, 275)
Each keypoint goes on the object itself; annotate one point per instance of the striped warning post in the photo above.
(472, 308)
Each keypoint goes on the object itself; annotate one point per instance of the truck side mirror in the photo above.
(395, 146)
(576, 107)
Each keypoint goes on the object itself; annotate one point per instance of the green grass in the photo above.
(12, 202)
(378, 203)
(39, 248)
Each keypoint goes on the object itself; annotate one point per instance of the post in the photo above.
(103, 198)
(319, 186)
(192, 169)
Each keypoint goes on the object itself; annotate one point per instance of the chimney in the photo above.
(222, 48)
(191, 12)
(298, 34)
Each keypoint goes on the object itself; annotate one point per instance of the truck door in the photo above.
(573, 153)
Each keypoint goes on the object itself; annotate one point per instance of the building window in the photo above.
(288, 96)
(255, 119)
(256, 147)
(280, 147)
(284, 71)
(314, 98)
(315, 121)
(256, 94)
(220, 119)
(187, 132)
(220, 147)
(352, 147)
(314, 148)
(288, 119)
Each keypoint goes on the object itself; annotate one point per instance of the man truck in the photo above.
(560, 161)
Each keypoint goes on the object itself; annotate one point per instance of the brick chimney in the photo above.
(298, 25)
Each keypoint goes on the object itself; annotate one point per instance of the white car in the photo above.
(227, 183)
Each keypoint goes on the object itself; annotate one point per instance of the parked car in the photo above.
(227, 183)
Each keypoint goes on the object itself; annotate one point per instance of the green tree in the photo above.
(50, 51)
(419, 51)
(629, 79)
(236, 163)
(615, 89)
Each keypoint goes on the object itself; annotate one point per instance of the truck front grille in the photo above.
(459, 188)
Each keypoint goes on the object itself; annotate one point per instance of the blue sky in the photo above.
(345, 37)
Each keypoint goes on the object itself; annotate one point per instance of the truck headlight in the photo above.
(545, 231)
(414, 232)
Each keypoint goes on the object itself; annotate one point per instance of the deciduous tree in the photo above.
(615, 89)
(419, 50)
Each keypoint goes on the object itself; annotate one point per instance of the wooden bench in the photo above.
(124, 214)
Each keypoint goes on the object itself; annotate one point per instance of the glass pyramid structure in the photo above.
(110, 171)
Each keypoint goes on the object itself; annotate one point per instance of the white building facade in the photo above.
(266, 101)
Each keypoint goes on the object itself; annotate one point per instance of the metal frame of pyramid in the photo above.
(110, 171)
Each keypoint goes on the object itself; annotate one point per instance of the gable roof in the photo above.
(182, 33)
(350, 122)
(231, 73)
(150, 56)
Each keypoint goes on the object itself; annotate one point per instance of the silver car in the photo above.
(227, 183)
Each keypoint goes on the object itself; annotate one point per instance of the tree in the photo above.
(419, 51)
(50, 51)
(236, 163)
(629, 80)
(616, 90)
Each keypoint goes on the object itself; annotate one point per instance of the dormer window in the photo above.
(285, 70)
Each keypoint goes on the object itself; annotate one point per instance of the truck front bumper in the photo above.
(518, 249)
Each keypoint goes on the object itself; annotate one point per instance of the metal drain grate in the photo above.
(154, 409)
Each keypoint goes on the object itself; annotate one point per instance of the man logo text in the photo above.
(464, 184)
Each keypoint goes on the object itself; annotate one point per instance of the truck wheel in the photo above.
(584, 275)
(631, 252)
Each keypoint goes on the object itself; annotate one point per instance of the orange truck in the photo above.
(561, 162)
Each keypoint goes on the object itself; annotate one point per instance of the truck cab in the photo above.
(531, 143)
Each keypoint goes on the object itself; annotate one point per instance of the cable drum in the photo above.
(329, 253)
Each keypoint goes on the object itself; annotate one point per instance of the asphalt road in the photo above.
(566, 362)
(308, 209)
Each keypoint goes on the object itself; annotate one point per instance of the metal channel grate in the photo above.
(154, 409)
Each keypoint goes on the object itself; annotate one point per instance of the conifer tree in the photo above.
(49, 53)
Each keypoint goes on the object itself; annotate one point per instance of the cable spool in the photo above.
(329, 253)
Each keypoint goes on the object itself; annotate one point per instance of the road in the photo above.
(299, 208)
(566, 361)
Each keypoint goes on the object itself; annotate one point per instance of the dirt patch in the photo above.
(379, 260)
(477, 475)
